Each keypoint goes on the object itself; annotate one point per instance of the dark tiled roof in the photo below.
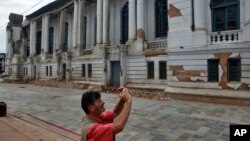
(49, 7)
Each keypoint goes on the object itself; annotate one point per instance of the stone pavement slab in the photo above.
(150, 120)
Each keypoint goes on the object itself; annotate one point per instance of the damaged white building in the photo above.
(162, 44)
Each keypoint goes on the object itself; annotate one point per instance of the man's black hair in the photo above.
(89, 98)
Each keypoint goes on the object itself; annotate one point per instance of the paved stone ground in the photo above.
(150, 120)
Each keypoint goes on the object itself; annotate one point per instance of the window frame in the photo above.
(150, 69)
(50, 70)
(165, 72)
(89, 70)
(159, 19)
(124, 23)
(51, 40)
(66, 39)
(225, 5)
(83, 70)
(210, 76)
(229, 70)
(47, 70)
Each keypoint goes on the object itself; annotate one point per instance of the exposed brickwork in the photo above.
(17, 46)
(155, 52)
(185, 75)
(244, 87)
(223, 58)
(173, 11)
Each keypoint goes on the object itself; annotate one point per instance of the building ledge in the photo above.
(88, 82)
(209, 93)
(146, 86)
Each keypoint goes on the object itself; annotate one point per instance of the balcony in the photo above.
(49, 56)
(157, 44)
(87, 52)
(225, 37)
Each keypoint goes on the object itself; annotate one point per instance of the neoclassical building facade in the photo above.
(158, 44)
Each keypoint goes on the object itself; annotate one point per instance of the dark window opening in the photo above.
(150, 70)
(51, 40)
(213, 70)
(234, 69)
(38, 42)
(47, 71)
(161, 18)
(50, 71)
(83, 70)
(124, 24)
(85, 33)
(225, 15)
(66, 31)
(95, 30)
(89, 70)
(163, 70)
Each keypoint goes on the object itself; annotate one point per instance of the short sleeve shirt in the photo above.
(103, 129)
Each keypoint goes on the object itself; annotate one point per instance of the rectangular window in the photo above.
(50, 70)
(47, 70)
(163, 70)
(225, 15)
(83, 70)
(213, 70)
(26, 70)
(150, 68)
(95, 30)
(234, 69)
(89, 70)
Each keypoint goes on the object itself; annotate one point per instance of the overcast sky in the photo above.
(15, 6)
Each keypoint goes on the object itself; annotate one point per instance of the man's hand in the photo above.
(124, 94)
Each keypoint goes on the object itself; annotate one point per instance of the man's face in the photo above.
(98, 107)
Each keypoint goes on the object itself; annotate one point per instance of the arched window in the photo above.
(38, 42)
(51, 40)
(161, 18)
(66, 31)
(84, 32)
(124, 24)
(225, 15)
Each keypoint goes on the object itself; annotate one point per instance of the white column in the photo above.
(99, 22)
(7, 43)
(247, 11)
(80, 23)
(31, 37)
(46, 34)
(61, 30)
(132, 22)
(33, 26)
(200, 14)
(43, 34)
(75, 23)
(105, 36)
(34, 39)
(140, 16)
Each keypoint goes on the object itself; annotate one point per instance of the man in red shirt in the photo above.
(101, 125)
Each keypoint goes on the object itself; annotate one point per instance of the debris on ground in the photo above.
(154, 94)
